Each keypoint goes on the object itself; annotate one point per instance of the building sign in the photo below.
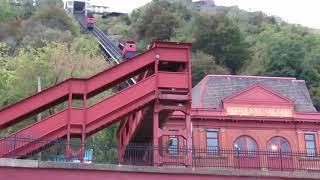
(259, 111)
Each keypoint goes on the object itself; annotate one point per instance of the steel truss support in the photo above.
(159, 133)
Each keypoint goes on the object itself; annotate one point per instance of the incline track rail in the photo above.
(110, 50)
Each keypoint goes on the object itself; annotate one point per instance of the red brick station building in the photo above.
(250, 114)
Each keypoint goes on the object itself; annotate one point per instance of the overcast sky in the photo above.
(306, 12)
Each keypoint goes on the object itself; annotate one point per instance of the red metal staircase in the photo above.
(59, 93)
(164, 85)
(55, 126)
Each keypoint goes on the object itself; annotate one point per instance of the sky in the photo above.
(306, 12)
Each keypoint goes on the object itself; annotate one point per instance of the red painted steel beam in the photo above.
(42, 129)
(99, 115)
(178, 80)
(91, 119)
(120, 104)
(171, 45)
(95, 84)
(174, 81)
(165, 51)
(140, 116)
(26, 148)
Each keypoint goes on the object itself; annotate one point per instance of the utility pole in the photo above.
(39, 90)
(39, 115)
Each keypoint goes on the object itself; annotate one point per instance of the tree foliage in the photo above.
(203, 64)
(7, 10)
(286, 57)
(55, 17)
(45, 44)
(25, 24)
(220, 37)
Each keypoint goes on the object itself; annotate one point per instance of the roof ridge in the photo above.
(254, 77)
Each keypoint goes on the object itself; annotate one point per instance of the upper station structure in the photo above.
(73, 6)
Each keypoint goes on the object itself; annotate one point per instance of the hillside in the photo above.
(226, 40)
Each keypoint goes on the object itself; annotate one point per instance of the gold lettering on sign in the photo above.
(260, 111)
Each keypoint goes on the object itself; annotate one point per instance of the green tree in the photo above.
(311, 73)
(157, 20)
(50, 3)
(118, 28)
(258, 57)
(218, 36)
(162, 26)
(286, 57)
(7, 10)
(204, 64)
(55, 17)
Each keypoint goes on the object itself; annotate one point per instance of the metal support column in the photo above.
(156, 149)
(83, 132)
(68, 148)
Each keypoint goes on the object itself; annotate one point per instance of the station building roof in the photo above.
(210, 92)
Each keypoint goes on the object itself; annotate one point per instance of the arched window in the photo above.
(278, 144)
(245, 143)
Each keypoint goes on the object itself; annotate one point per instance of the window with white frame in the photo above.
(310, 144)
(173, 145)
(212, 142)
